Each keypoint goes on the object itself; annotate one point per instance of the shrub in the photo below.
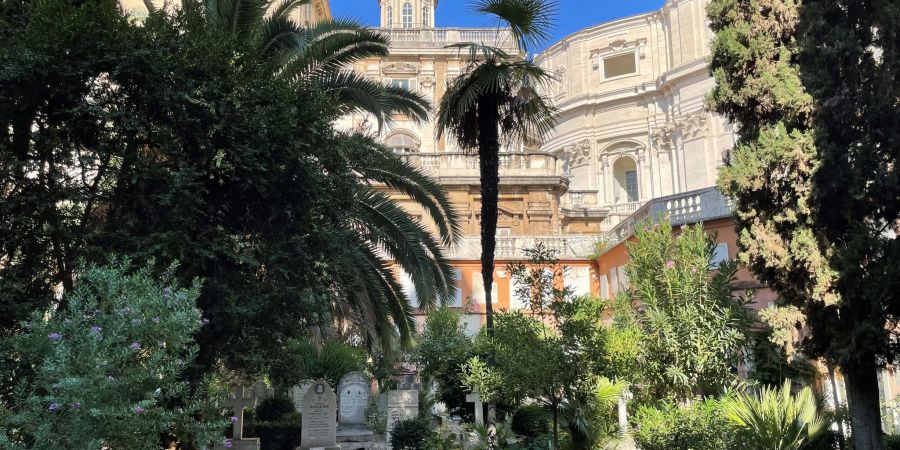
(281, 434)
(701, 425)
(108, 369)
(774, 419)
(530, 421)
(376, 418)
(411, 434)
(302, 358)
(892, 442)
(274, 408)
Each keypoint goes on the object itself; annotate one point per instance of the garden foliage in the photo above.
(108, 372)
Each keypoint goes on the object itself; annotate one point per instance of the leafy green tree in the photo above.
(693, 327)
(175, 140)
(496, 99)
(549, 354)
(108, 371)
(441, 351)
(812, 175)
(775, 418)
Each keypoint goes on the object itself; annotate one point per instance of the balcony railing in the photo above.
(684, 208)
(451, 164)
(624, 209)
(513, 247)
(442, 37)
(579, 199)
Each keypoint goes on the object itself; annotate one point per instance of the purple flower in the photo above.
(75, 405)
(204, 321)
(135, 345)
(135, 321)
(156, 320)
(227, 443)
(139, 409)
(95, 329)
(670, 264)
(110, 378)
(233, 419)
(167, 292)
(53, 406)
(54, 336)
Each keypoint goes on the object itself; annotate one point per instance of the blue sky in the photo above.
(572, 15)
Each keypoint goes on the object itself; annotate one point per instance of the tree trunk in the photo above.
(489, 161)
(861, 381)
(556, 426)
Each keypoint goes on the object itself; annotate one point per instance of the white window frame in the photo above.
(404, 16)
(602, 64)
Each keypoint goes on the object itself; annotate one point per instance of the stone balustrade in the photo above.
(442, 37)
(513, 247)
(685, 208)
(449, 164)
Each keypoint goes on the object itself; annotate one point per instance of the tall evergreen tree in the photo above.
(849, 57)
(811, 146)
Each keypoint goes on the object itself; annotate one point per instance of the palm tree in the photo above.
(381, 234)
(317, 55)
(773, 419)
(496, 98)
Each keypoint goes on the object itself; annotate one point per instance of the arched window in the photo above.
(390, 16)
(426, 20)
(402, 143)
(407, 15)
(626, 177)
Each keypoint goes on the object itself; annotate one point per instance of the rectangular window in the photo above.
(720, 255)
(631, 185)
(518, 297)
(578, 279)
(619, 65)
(403, 83)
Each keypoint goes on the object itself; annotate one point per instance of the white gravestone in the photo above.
(297, 392)
(353, 398)
(243, 398)
(479, 407)
(401, 405)
(319, 421)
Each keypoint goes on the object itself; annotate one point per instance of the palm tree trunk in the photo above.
(489, 161)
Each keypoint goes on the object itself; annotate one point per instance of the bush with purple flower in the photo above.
(92, 369)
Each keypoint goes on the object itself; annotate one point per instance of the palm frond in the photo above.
(358, 93)
(530, 21)
(380, 165)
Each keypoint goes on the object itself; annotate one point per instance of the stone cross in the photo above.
(240, 401)
(479, 407)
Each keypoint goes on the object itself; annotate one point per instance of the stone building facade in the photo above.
(632, 128)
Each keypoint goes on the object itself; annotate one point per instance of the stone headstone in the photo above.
(401, 405)
(262, 391)
(242, 398)
(353, 398)
(319, 422)
(479, 407)
(297, 392)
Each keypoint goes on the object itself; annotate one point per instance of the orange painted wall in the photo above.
(724, 232)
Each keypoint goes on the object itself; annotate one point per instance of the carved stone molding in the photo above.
(400, 68)
(619, 45)
(561, 84)
(692, 125)
(663, 137)
(426, 80)
(578, 154)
